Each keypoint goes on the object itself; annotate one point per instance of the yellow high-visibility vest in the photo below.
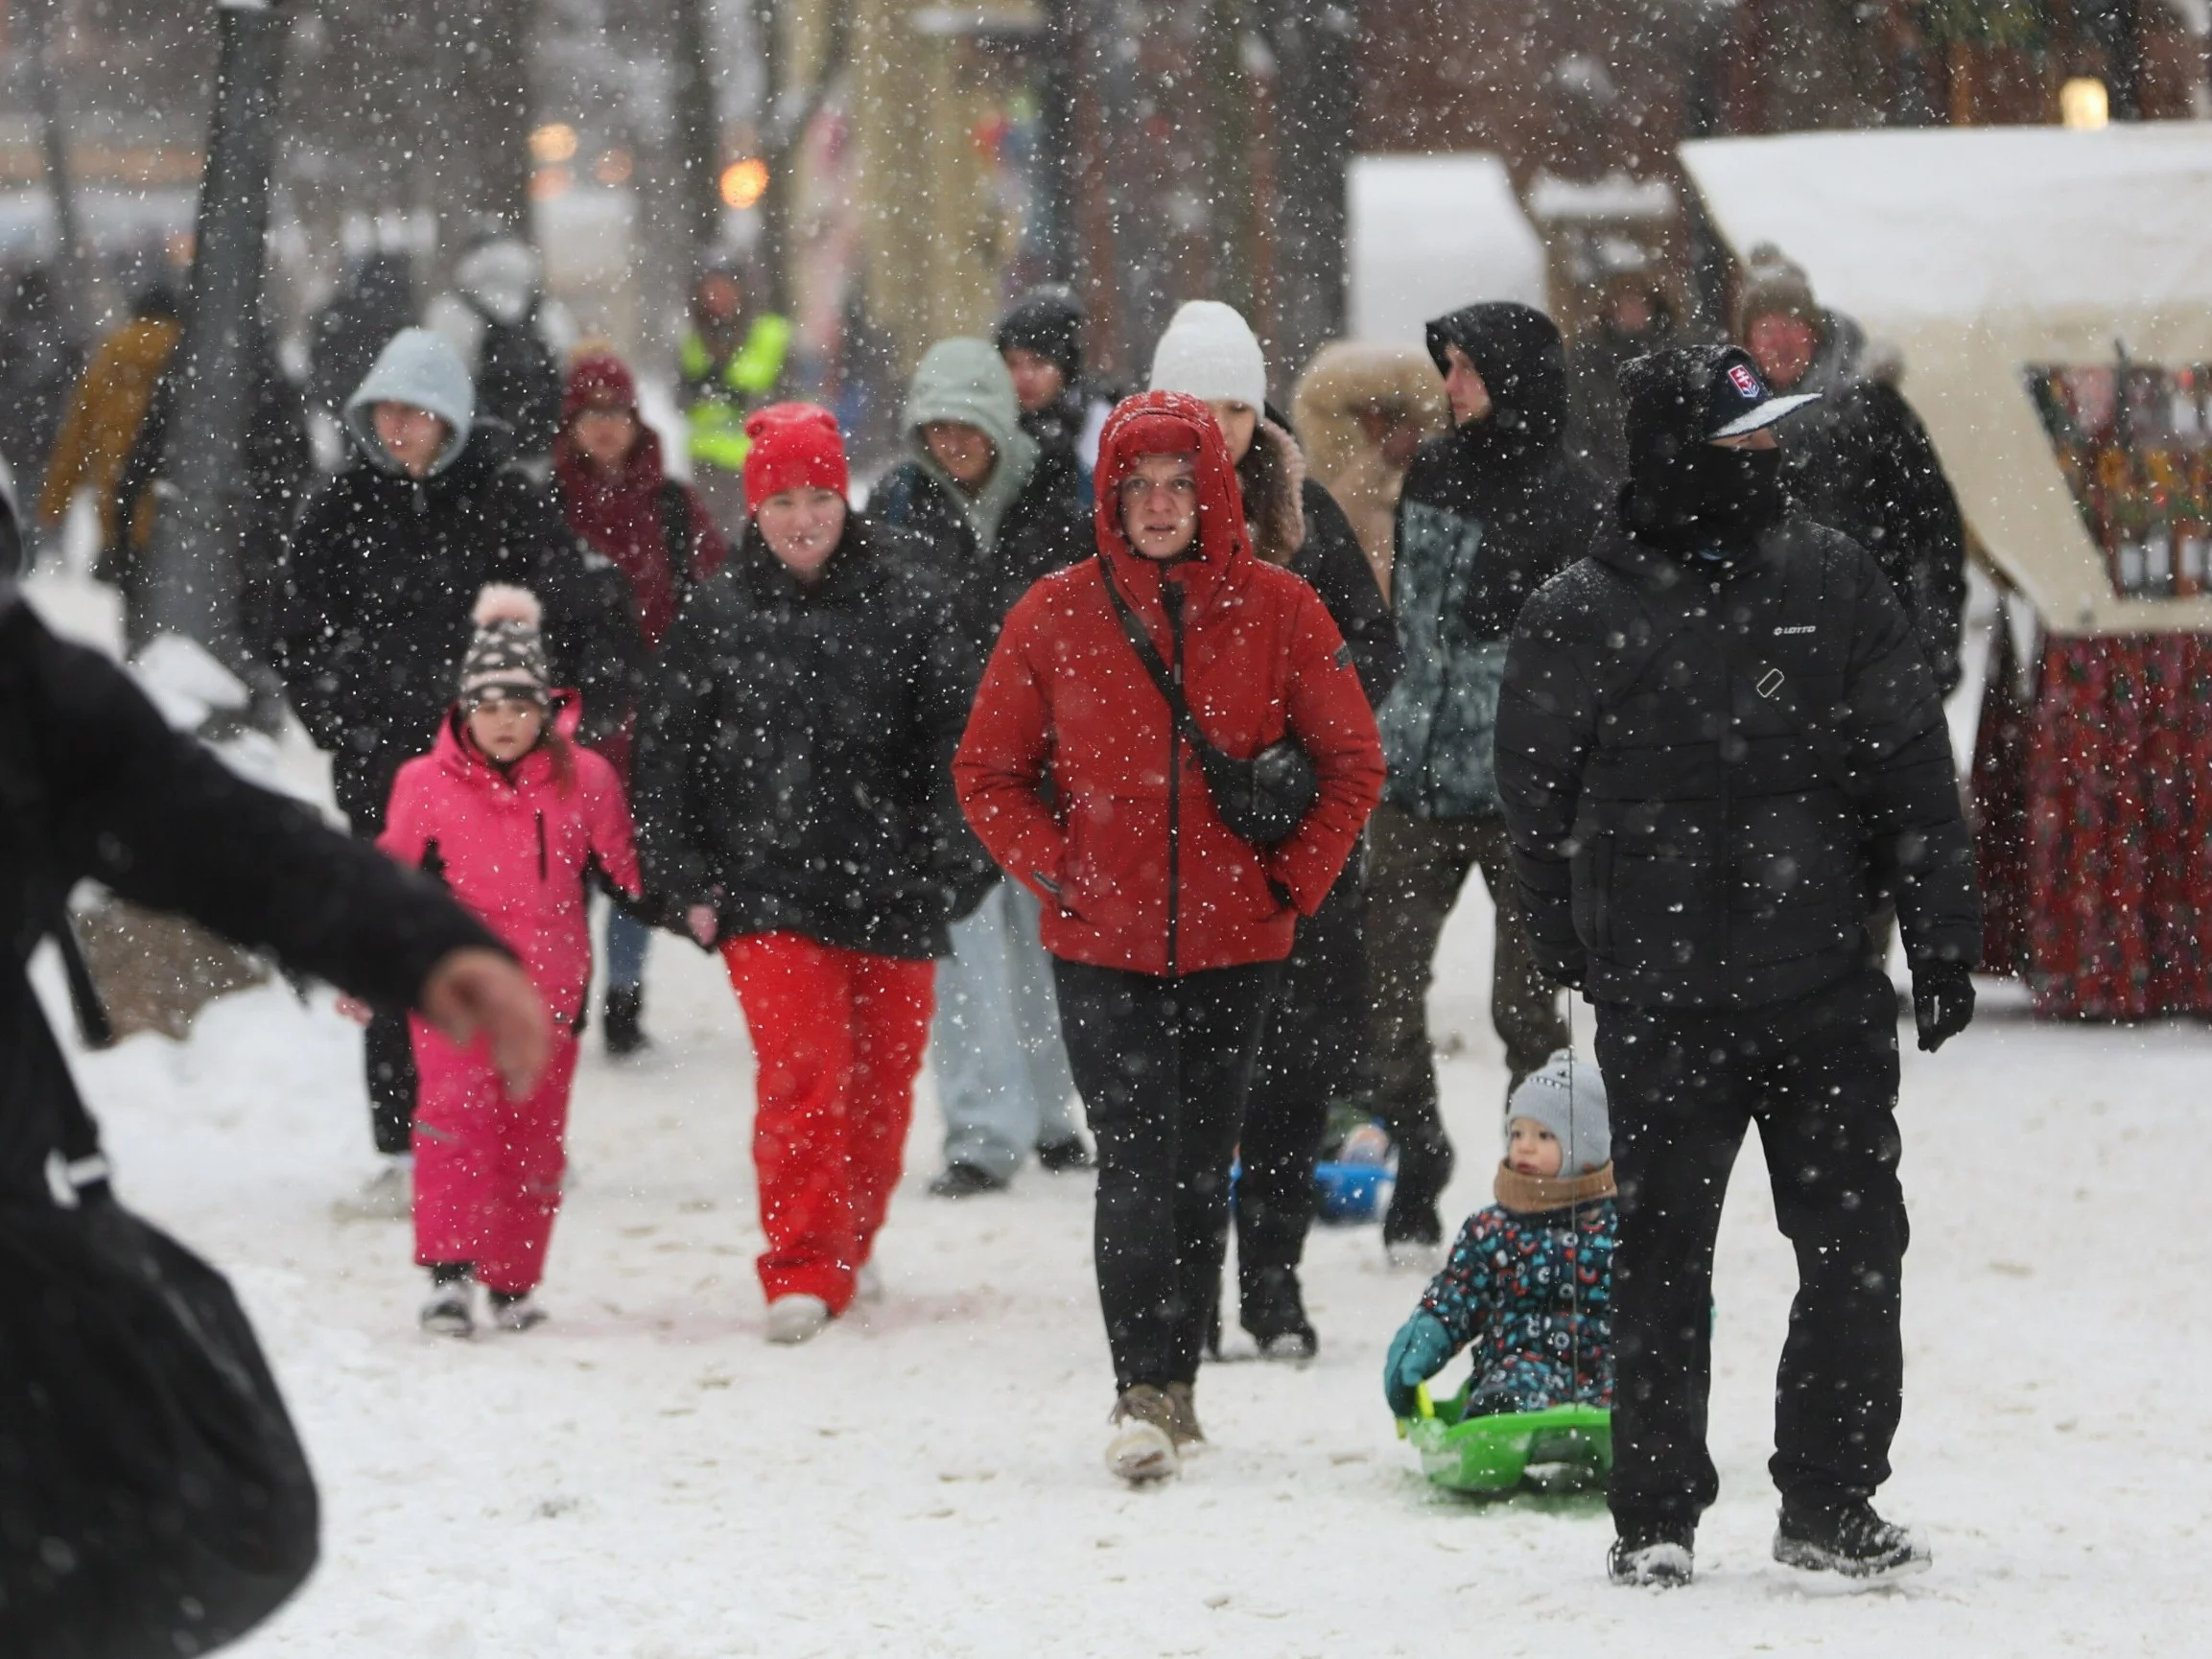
(716, 420)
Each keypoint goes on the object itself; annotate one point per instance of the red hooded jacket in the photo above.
(1072, 771)
(514, 846)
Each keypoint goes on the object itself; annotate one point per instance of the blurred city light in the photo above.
(615, 167)
(744, 182)
(2083, 104)
(556, 141)
(548, 182)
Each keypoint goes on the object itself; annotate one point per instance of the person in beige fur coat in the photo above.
(1361, 408)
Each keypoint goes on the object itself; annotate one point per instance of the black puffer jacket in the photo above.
(793, 768)
(1046, 528)
(1679, 844)
(1859, 462)
(381, 574)
(1491, 511)
(93, 782)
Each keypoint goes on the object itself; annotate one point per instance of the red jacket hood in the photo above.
(1171, 423)
(457, 754)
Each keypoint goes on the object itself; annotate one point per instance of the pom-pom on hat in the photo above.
(795, 446)
(507, 654)
(1567, 1097)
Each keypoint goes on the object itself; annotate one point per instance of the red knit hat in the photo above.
(598, 380)
(795, 446)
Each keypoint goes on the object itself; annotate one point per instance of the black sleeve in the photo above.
(1924, 551)
(1332, 560)
(155, 816)
(1900, 748)
(1548, 715)
(674, 725)
(316, 639)
(944, 693)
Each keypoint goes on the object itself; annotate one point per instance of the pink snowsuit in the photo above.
(514, 847)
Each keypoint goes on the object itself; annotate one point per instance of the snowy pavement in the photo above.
(646, 1477)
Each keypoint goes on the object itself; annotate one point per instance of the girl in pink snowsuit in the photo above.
(512, 815)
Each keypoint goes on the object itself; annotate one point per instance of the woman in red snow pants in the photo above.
(795, 794)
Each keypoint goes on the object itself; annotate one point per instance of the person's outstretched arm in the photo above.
(154, 815)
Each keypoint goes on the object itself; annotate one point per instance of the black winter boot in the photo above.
(1654, 1555)
(626, 1010)
(1274, 1312)
(1847, 1537)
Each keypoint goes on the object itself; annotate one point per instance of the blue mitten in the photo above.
(1419, 1352)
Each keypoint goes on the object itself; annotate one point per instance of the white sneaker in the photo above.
(1142, 1449)
(797, 1318)
(388, 1196)
(523, 1314)
(447, 1312)
(868, 1283)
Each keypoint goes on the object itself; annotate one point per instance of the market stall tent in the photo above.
(1978, 252)
(1981, 254)
(1430, 233)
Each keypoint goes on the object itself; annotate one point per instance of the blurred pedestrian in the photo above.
(1491, 510)
(996, 510)
(512, 337)
(1634, 317)
(1041, 338)
(617, 496)
(733, 358)
(1859, 461)
(514, 817)
(1362, 409)
(1309, 1050)
(794, 799)
(1717, 744)
(1167, 927)
(377, 301)
(381, 572)
(104, 414)
(39, 365)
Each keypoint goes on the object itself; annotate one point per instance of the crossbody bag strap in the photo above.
(1149, 655)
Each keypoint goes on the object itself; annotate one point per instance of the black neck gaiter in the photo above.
(1706, 500)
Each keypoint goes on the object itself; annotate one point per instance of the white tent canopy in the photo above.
(1431, 233)
(1977, 252)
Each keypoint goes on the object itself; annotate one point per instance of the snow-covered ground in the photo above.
(647, 1479)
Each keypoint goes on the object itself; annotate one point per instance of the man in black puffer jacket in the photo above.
(1719, 746)
(380, 575)
(1491, 510)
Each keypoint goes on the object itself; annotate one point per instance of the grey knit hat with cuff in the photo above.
(1567, 1097)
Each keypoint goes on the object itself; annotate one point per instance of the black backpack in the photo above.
(154, 1498)
(518, 380)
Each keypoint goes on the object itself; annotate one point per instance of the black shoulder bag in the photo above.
(154, 1498)
(1262, 799)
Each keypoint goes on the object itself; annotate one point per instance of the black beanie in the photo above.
(1047, 320)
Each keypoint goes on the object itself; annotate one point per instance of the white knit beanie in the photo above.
(1211, 352)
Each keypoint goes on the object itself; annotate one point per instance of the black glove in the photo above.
(1943, 1003)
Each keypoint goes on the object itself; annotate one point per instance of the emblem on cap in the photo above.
(1744, 381)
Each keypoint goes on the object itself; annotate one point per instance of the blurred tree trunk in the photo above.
(71, 283)
(698, 129)
(804, 48)
(475, 138)
(1316, 46)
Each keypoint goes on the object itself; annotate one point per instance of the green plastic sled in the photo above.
(1493, 1454)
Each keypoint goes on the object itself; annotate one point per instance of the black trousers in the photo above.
(1308, 1056)
(1164, 1066)
(363, 788)
(1819, 1076)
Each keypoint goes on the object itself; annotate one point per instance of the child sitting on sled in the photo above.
(1529, 1281)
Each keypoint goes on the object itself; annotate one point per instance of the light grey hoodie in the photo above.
(421, 369)
(965, 380)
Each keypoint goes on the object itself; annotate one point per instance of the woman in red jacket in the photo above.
(1166, 928)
